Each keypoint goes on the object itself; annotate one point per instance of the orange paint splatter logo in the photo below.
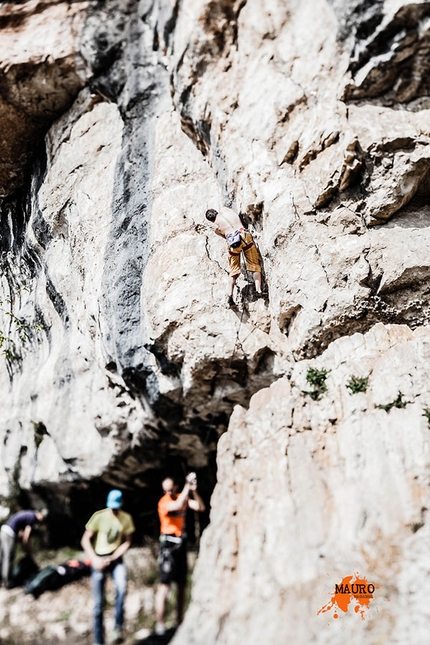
(354, 592)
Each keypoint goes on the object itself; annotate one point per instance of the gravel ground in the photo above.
(65, 616)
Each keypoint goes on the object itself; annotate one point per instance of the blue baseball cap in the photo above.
(114, 499)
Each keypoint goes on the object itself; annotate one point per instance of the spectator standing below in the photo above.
(18, 527)
(172, 510)
(228, 225)
(111, 530)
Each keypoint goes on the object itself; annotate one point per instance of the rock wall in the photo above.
(101, 315)
(124, 122)
(311, 491)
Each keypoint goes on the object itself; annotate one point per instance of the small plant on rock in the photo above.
(357, 384)
(317, 379)
(397, 403)
(426, 413)
(39, 431)
(416, 526)
(7, 347)
(22, 331)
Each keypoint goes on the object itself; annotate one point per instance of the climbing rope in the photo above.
(236, 340)
(221, 392)
(223, 384)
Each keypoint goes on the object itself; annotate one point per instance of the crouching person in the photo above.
(172, 509)
(107, 537)
(18, 528)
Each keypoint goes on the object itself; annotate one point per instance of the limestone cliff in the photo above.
(122, 123)
(311, 491)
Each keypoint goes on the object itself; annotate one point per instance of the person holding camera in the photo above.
(172, 509)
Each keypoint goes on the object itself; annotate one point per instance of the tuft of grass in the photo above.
(357, 384)
(426, 413)
(39, 431)
(317, 380)
(397, 403)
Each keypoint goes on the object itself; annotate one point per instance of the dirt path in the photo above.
(64, 617)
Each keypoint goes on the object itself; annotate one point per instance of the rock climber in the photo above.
(18, 527)
(111, 529)
(228, 225)
(172, 559)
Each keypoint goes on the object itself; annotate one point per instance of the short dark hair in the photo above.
(211, 214)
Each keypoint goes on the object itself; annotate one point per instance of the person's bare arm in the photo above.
(121, 549)
(97, 561)
(26, 539)
(195, 502)
(178, 503)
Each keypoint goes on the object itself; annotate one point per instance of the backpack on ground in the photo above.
(55, 576)
(48, 579)
(23, 570)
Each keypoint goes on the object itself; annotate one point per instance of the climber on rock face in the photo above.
(228, 225)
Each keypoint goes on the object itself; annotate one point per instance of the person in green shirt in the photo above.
(107, 537)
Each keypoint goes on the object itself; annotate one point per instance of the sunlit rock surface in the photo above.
(41, 72)
(121, 123)
(311, 491)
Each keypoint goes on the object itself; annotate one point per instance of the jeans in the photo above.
(119, 575)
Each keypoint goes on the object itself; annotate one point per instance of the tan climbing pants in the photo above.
(250, 252)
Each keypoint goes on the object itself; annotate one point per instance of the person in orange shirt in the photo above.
(172, 509)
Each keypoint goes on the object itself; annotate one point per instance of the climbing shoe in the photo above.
(230, 302)
(160, 629)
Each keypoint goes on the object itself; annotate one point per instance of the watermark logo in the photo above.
(353, 592)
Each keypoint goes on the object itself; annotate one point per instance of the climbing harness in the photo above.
(234, 239)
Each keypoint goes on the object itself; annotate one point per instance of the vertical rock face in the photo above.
(122, 122)
(322, 163)
(114, 359)
(311, 491)
(73, 271)
(41, 75)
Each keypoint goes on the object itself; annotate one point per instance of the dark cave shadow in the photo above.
(154, 639)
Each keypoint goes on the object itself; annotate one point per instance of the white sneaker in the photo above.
(160, 629)
(117, 636)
